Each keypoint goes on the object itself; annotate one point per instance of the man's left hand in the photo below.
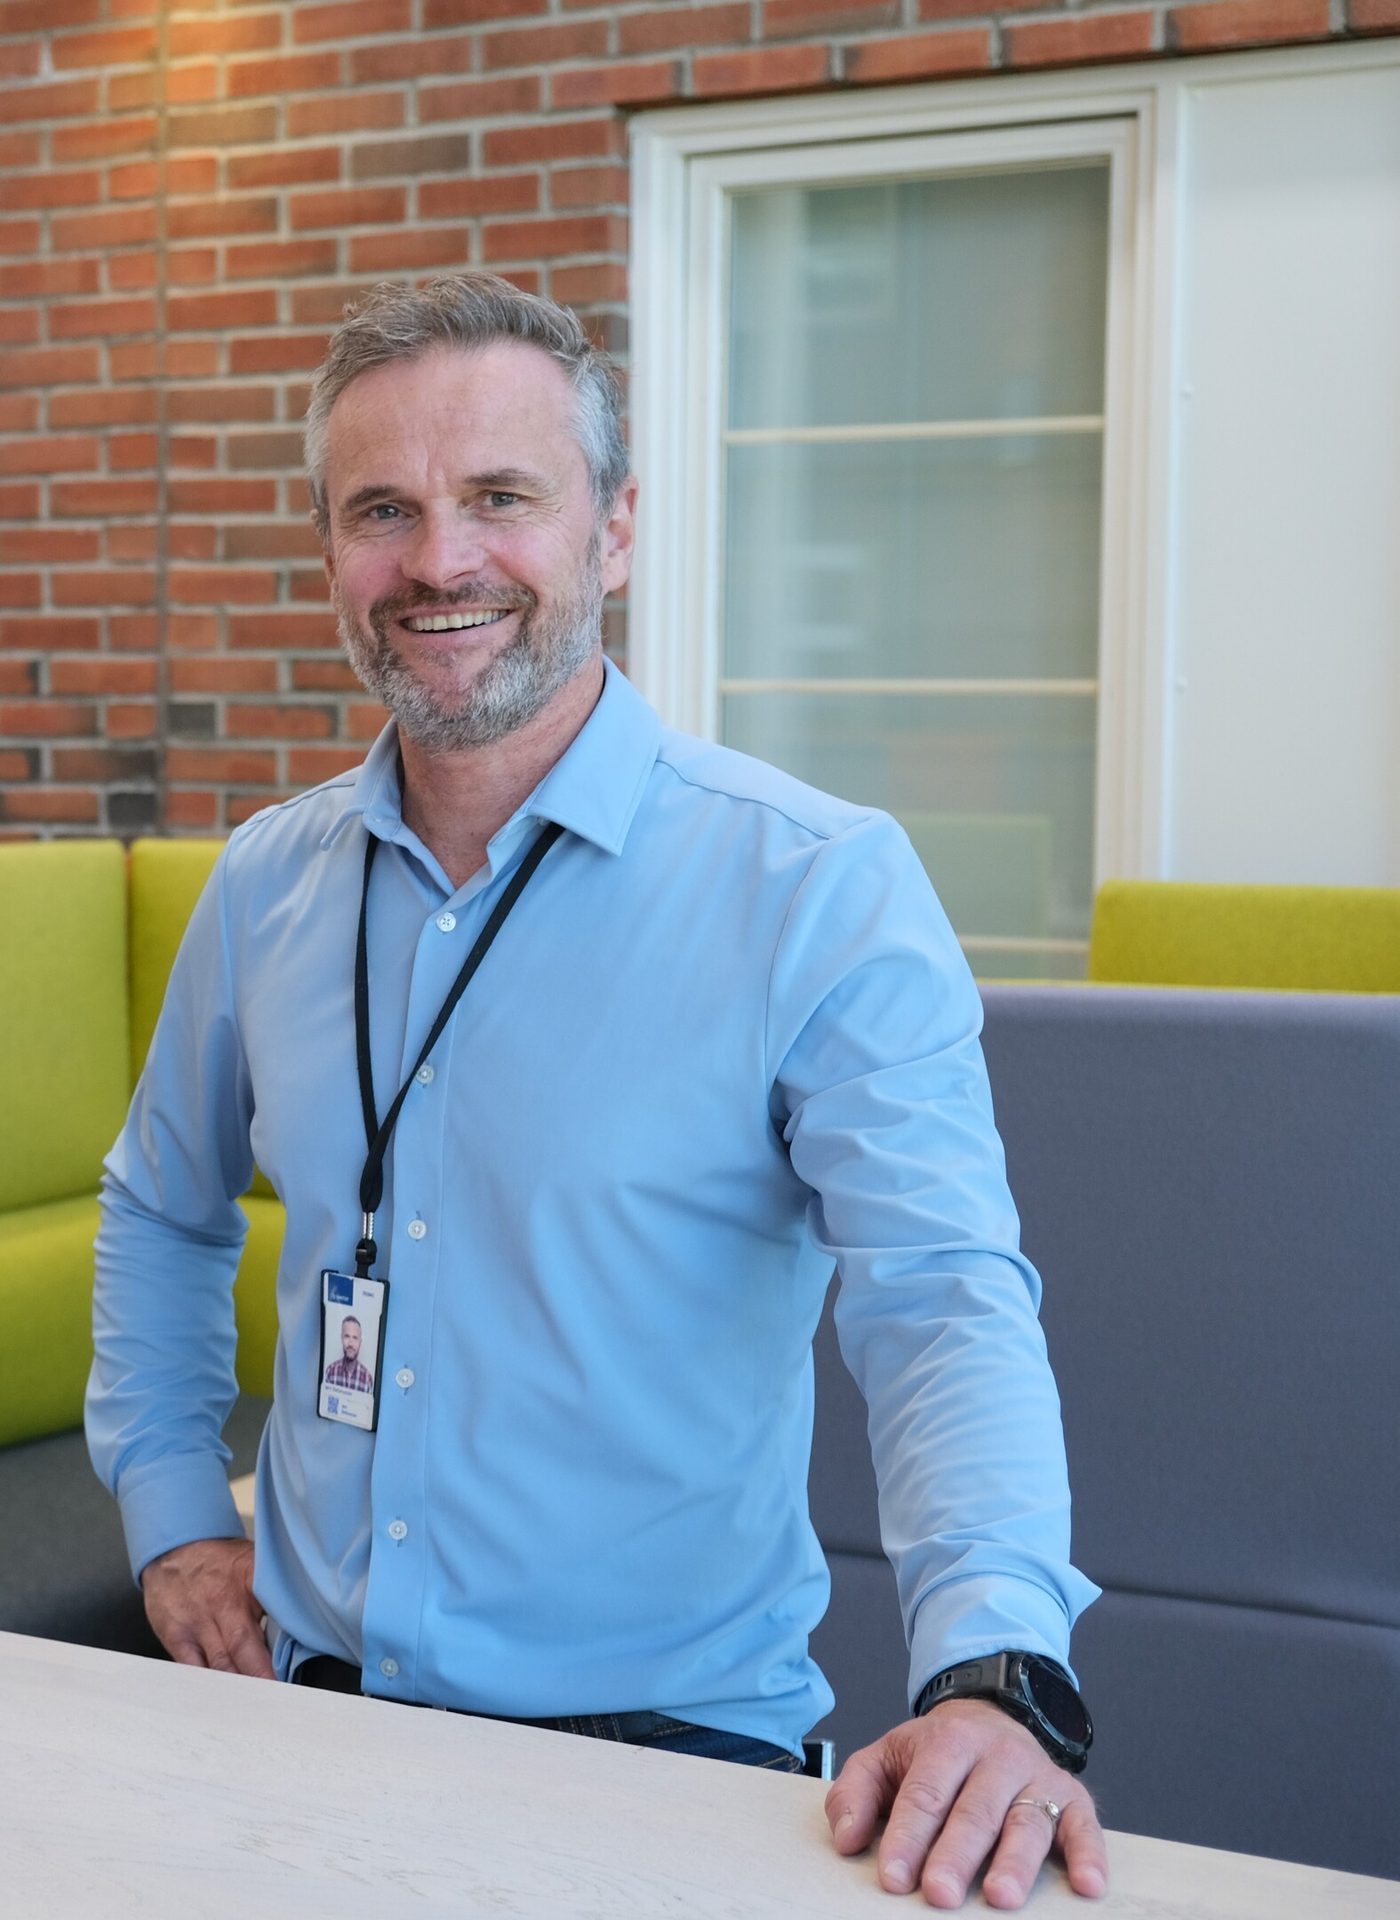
(948, 1782)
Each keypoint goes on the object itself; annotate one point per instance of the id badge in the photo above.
(353, 1313)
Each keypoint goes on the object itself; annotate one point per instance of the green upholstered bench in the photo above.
(90, 935)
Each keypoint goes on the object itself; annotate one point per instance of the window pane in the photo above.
(961, 297)
(995, 793)
(968, 559)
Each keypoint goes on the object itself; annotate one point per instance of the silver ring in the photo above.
(1049, 1808)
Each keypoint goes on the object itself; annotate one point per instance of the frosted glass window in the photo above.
(912, 524)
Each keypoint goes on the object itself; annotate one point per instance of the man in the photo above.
(721, 1037)
(349, 1371)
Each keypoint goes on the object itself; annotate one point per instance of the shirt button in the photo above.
(425, 1076)
(389, 1668)
(417, 1229)
(398, 1529)
(404, 1377)
(446, 922)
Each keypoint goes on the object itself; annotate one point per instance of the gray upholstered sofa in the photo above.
(1210, 1186)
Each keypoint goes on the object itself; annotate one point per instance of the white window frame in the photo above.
(685, 160)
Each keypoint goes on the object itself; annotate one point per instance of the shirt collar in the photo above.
(593, 789)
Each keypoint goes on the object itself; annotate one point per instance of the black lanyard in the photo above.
(377, 1133)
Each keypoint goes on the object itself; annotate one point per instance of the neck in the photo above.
(455, 801)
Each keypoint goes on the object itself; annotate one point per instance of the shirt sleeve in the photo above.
(881, 1091)
(168, 1245)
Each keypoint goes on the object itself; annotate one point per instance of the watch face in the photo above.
(1057, 1700)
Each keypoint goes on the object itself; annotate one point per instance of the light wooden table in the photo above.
(129, 1787)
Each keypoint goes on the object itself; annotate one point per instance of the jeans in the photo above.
(642, 1729)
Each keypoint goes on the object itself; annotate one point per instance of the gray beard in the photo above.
(549, 650)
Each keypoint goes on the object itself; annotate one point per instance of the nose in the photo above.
(444, 549)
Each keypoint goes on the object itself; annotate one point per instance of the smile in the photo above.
(453, 622)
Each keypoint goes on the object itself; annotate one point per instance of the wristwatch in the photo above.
(1031, 1689)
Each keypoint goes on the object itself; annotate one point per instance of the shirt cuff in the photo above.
(969, 1619)
(170, 1502)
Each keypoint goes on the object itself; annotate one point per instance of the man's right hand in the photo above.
(199, 1600)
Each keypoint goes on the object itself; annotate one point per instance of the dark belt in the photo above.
(323, 1670)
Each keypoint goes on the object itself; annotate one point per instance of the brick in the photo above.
(201, 218)
(282, 167)
(289, 73)
(185, 85)
(20, 60)
(347, 207)
(444, 247)
(474, 100)
(661, 28)
(19, 502)
(457, 13)
(237, 33)
(223, 127)
(323, 306)
(19, 412)
(21, 589)
(496, 193)
(133, 721)
(43, 16)
(344, 113)
(19, 326)
(1240, 23)
(199, 811)
(352, 20)
(126, 451)
(103, 676)
(615, 85)
(193, 450)
(1374, 16)
(540, 46)
(50, 718)
(17, 765)
(20, 236)
(58, 453)
(548, 239)
(104, 586)
(105, 318)
(390, 159)
(193, 632)
(104, 763)
(49, 632)
(22, 191)
(104, 407)
(133, 360)
(365, 720)
(207, 312)
(223, 403)
(128, 271)
(277, 353)
(48, 365)
(411, 59)
(308, 584)
(782, 17)
(280, 628)
(192, 266)
(223, 496)
(67, 806)
(1100, 36)
(126, 541)
(308, 766)
(252, 450)
(63, 100)
(96, 232)
(323, 676)
(118, 47)
(243, 766)
(140, 179)
(102, 138)
(49, 279)
(216, 586)
(277, 540)
(185, 359)
(224, 676)
(770, 70)
(21, 150)
(281, 259)
(285, 721)
(47, 546)
(603, 138)
(919, 55)
(133, 632)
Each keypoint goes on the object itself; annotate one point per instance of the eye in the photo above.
(383, 510)
(499, 498)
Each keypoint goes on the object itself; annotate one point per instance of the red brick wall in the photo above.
(187, 197)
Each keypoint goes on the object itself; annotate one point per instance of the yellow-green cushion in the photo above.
(1171, 933)
(255, 1293)
(46, 1313)
(66, 1076)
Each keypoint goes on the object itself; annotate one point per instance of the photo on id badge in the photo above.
(352, 1349)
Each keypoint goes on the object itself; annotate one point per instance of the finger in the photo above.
(969, 1833)
(1026, 1837)
(857, 1797)
(247, 1649)
(923, 1804)
(1085, 1853)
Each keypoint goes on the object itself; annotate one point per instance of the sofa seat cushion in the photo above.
(46, 1311)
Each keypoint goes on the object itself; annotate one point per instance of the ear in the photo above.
(619, 536)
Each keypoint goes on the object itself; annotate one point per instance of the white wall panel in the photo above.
(1284, 735)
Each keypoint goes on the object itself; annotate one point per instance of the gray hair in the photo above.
(394, 322)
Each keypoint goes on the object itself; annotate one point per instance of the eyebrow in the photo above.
(498, 480)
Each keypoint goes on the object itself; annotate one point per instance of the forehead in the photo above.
(503, 405)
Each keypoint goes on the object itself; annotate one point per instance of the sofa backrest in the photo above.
(1175, 934)
(1207, 1183)
(63, 991)
(167, 877)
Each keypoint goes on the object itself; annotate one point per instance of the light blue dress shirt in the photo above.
(726, 1038)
